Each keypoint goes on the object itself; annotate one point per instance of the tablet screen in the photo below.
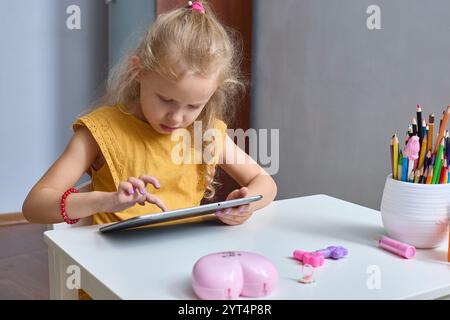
(153, 218)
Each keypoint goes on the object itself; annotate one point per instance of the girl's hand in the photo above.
(234, 216)
(134, 191)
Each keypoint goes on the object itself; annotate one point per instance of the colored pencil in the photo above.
(424, 128)
(433, 159)
(448, 174)
(391, 149)
(426, 163)
(423, 176)
(417, 176)
(442, 127)
(430, 132)
(430, 175)
(414, 127)
(419, 123)
(423, 151)
(438, 163)
(447, 144)
(410, 170)
(395, 156)
(444, 173)
(432, 163)
(410, 131)
(405, 169)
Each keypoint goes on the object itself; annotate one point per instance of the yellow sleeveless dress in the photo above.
(131, 147)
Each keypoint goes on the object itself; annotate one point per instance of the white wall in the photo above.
(49, 74)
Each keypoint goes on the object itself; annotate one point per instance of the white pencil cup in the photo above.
(417, 214)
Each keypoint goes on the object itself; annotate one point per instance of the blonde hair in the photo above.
(203, 44)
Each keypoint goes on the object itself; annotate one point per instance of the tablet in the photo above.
(153, 218)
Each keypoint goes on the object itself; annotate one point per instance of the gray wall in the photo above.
(338, 91)
(127, 23)
(49, 74)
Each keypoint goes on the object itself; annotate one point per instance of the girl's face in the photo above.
(168, 105)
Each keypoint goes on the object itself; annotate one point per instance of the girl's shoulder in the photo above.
(103, 117)
(104, 111)
(101, 114)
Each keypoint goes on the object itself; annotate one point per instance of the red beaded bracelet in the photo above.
(63, 206)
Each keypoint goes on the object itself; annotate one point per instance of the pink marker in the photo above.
(314, 259)
(402, 249)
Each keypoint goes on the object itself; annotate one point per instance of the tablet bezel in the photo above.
(153, 218)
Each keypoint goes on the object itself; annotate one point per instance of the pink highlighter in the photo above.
(399, 248)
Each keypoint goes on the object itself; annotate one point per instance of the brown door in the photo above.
(237, 14)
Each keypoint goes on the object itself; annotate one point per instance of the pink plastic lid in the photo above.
(228, 275)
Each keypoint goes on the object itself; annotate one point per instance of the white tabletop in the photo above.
(157, 263)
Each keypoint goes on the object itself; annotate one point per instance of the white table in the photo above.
(157, 263)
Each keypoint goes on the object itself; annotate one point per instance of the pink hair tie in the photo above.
(196, 6)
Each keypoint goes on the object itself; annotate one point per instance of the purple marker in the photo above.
(333, 252)
(402, 249)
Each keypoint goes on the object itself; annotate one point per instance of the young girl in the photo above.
(186, 69)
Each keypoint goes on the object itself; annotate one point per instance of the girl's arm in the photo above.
(242, 168)
(42, 202)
